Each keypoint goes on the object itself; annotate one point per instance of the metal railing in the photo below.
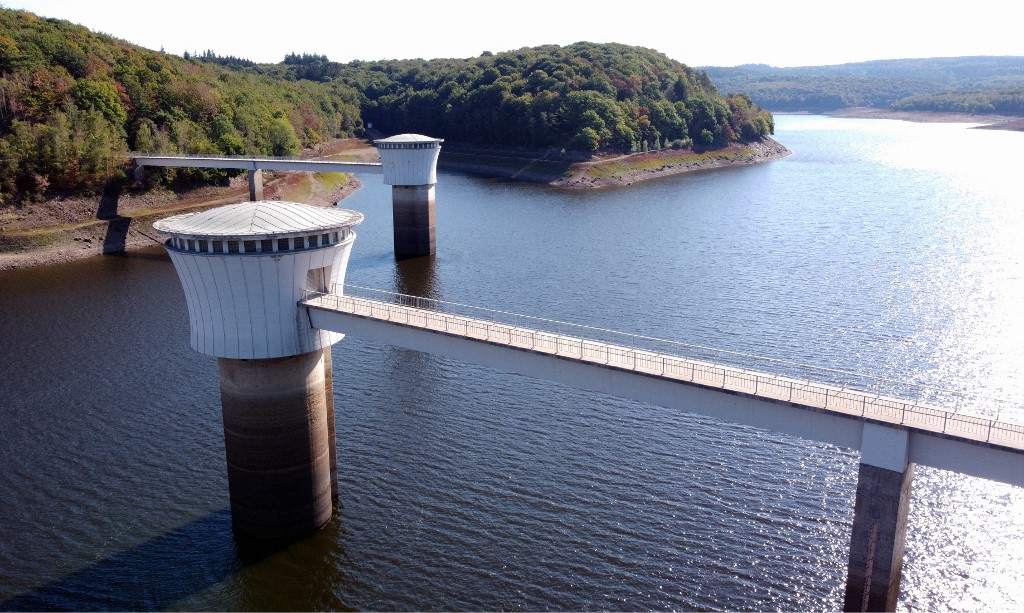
(637, 355)
(249, 158)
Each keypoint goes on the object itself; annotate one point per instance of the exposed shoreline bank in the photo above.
(606, 171)
(77, 228)
(988, 122)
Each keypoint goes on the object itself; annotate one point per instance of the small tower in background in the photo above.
(243, 268)
(410, 168)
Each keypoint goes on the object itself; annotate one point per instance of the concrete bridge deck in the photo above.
(938, 437)
(256, 163)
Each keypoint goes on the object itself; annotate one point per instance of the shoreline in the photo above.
(626, 170)
(63, 230)
(988, 122)
(130, 227)
(616, 170)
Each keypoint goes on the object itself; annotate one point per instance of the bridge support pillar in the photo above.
(879, 520)
(412, 208)
(332, 437)
(255, 184)
(139, 173)
(278, 444)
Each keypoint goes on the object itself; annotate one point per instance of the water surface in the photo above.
(880, 247)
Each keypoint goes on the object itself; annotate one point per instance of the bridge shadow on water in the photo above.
(153, 575)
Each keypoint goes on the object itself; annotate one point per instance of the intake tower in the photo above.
(243, 268)
(410, 168)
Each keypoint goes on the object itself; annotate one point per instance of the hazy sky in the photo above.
(695, 32)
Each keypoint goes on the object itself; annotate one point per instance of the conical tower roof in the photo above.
(258, 220)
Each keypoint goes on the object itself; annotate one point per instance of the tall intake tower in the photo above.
(410, 168)
(243, 268)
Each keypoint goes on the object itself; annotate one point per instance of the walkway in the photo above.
(825, 412)
(255, 163)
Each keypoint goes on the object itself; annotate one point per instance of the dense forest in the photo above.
(973, 84)
(585, 97)
(72, 102)
(1002, 101)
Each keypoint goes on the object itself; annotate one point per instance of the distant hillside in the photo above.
(879, 84)
(583, 97)
(72, 102)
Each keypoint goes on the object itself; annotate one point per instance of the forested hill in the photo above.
(967, 84)
(585, 97)
(72, 102)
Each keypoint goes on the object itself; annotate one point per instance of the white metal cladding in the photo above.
(256, 220)
(243, 306)
(409, 159)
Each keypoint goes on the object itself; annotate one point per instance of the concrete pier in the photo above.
(332, 436)
(414, 220)
(410, 168)
(879, 521)
(255, 184)
(278, 445)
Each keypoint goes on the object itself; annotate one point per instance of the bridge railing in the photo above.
(257, 158)
(954, 400)
(515, 331)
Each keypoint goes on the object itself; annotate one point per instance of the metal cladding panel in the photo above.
(410, 166)
(339, 270)
(252, 276)
(243, 306)
(255, 220)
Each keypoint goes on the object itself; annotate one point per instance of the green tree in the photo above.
(101, 96)
(587, 139)
(283, 141)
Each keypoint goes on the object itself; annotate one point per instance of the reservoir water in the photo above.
(879, 247)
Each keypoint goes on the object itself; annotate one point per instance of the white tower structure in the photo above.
(243, 268)
(410, 168)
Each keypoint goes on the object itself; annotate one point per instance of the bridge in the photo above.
(892, 434)
(408, 164)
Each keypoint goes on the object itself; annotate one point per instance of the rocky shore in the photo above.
(626, 170)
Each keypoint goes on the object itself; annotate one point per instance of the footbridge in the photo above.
(408, 164)
(253, 165)
(893, 434)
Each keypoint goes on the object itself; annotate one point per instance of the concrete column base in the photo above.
(255, 185)
(277, 444)
(876, 547)
(332, 437)
(412, 209)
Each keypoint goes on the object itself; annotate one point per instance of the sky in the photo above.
(695, 32)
